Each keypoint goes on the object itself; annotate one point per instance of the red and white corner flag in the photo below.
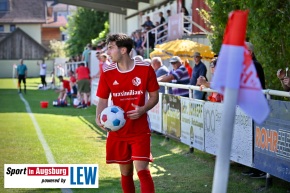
(235, 69)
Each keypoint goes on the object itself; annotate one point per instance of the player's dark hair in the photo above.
(122, 40)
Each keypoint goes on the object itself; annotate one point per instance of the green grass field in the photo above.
(73, 138)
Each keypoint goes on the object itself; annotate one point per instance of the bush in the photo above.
(268, 30)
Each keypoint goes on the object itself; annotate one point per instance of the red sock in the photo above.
(146, 182)
(128, 184)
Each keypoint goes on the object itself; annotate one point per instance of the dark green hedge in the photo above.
(268, 30)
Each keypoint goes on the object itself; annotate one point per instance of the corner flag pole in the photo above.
(221, 172)
(227, 80)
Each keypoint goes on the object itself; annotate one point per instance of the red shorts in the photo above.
(124, 151)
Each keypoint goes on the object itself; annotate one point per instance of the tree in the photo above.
(57, 49)
(103, 34)
(83, 26)
(268, 30)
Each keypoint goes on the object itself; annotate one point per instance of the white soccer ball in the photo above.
(113, 118)
(76, 102)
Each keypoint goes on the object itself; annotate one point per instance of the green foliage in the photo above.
(103, 34)
(268, 30)
(57, 49)
(83, 26)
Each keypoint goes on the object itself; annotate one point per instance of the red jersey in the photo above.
(65, 84)
(83, 72)
(126, 88)
(73, 79)
(101, 67)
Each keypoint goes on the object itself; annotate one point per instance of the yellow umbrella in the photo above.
(185, 49)
(158, 53)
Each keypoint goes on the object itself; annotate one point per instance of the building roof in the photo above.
(17, 31)
(60, 22)
(113, 6)
(60, 7)
(29, 11)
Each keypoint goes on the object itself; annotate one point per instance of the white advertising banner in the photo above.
(175, 26)
(94, 63)
(192, 131)
(94, 88)
(155, 116)
(242, 143)
(94, 70)
(51, 176)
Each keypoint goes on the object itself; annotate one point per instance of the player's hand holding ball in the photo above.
(112, 118)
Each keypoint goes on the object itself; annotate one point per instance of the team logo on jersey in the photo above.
(136, 81)
(115, 82)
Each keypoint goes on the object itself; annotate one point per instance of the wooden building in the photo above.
(19, 44)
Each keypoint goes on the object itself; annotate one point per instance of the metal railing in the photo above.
(63, 69)
(188, 30)
(160, 36)
(267, 92)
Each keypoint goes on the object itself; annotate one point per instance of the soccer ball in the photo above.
(55, 103)
(113, 118)
(76, 102)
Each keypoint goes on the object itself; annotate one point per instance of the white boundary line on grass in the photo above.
(48, 153)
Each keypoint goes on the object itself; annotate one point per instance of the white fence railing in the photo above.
(268, 92)
(64, 68)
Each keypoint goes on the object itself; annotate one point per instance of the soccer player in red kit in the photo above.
(133, 87)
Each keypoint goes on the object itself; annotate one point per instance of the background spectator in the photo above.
(64, 91)
(148, 23)
(150, 36)
(86, 54)
(198, 70)
(178, 75)
(258, 66)
(168, 14)
(185, 13)
(42, 73)
(21, 73)
(160, 70)
(83, 82)
(138, 43)
(162, 19)
(103, 61)
(253, 172)
(214, 96)
(285, 80)
(73, 83)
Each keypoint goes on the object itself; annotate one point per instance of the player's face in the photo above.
(114, 52)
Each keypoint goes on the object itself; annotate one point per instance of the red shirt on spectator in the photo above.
(65, 84)
(73, 79)
(83, 73)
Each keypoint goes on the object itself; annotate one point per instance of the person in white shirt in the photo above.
(42, 73)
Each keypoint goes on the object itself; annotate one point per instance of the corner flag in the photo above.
(235, 69)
